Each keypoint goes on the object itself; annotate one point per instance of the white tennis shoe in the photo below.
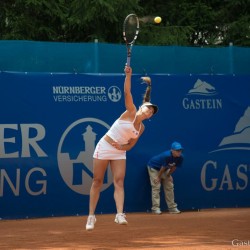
(120, 218)
(174, 211)
(157, 211)
(90, 222)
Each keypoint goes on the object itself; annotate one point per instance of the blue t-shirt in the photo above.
(165, 159)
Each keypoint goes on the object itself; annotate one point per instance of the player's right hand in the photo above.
(127, 70)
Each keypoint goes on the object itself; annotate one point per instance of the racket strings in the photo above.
(131, 29)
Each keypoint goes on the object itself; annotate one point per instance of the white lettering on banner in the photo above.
(27, 141)
(79, 94)
(79, 98)
(15, 187)
(219, 182)
(78, 90)
(86, 93)
(4, 176)
(237, 242)
(202, 103)
(43, 183)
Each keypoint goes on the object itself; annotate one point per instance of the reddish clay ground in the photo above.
(207, 229)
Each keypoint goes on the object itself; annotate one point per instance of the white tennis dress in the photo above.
(121, 131)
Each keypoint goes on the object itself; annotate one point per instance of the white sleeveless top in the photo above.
(122, 131)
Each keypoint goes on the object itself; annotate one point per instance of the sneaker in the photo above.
(157, 211)
(174, 211)
(121, 219)
(90, 222)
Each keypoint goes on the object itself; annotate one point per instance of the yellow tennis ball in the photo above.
(157, 19)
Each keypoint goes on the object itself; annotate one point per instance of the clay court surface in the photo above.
(207, 229)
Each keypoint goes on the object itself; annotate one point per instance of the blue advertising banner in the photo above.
(50, 124)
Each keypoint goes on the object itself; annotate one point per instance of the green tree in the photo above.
(33, 19)
(184, 22)
(235, 22)
(100, 20)
(200, 22)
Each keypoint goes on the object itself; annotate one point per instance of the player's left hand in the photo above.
(117, 145)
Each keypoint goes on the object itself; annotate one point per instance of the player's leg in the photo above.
(99, 169)
(155, 190)
(168, 187)
(118, 168)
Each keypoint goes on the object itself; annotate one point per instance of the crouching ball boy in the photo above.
(160, 168)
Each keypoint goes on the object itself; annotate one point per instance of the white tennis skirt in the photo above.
(105, 151)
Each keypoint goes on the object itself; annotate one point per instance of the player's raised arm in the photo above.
(129, 104)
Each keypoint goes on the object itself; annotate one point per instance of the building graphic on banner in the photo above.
(77, 172)
(114, 94)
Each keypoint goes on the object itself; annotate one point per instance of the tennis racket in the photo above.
(130, 33)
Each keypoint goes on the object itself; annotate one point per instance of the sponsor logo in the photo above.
(202, 88)
(208, 101)
(19, 145)
(114, 94)
(235, 174)
(85, 94)
(75, 156)
(240, 138)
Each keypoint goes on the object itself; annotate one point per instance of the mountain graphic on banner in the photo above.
(241, 133)
(202, 88)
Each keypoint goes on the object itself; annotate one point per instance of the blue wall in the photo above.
(29, 56)
(50, 123)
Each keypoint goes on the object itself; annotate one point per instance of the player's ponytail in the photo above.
(146, 96)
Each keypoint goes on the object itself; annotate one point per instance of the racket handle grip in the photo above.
(128, 61)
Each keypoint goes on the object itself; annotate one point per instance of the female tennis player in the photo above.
(112, 147)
